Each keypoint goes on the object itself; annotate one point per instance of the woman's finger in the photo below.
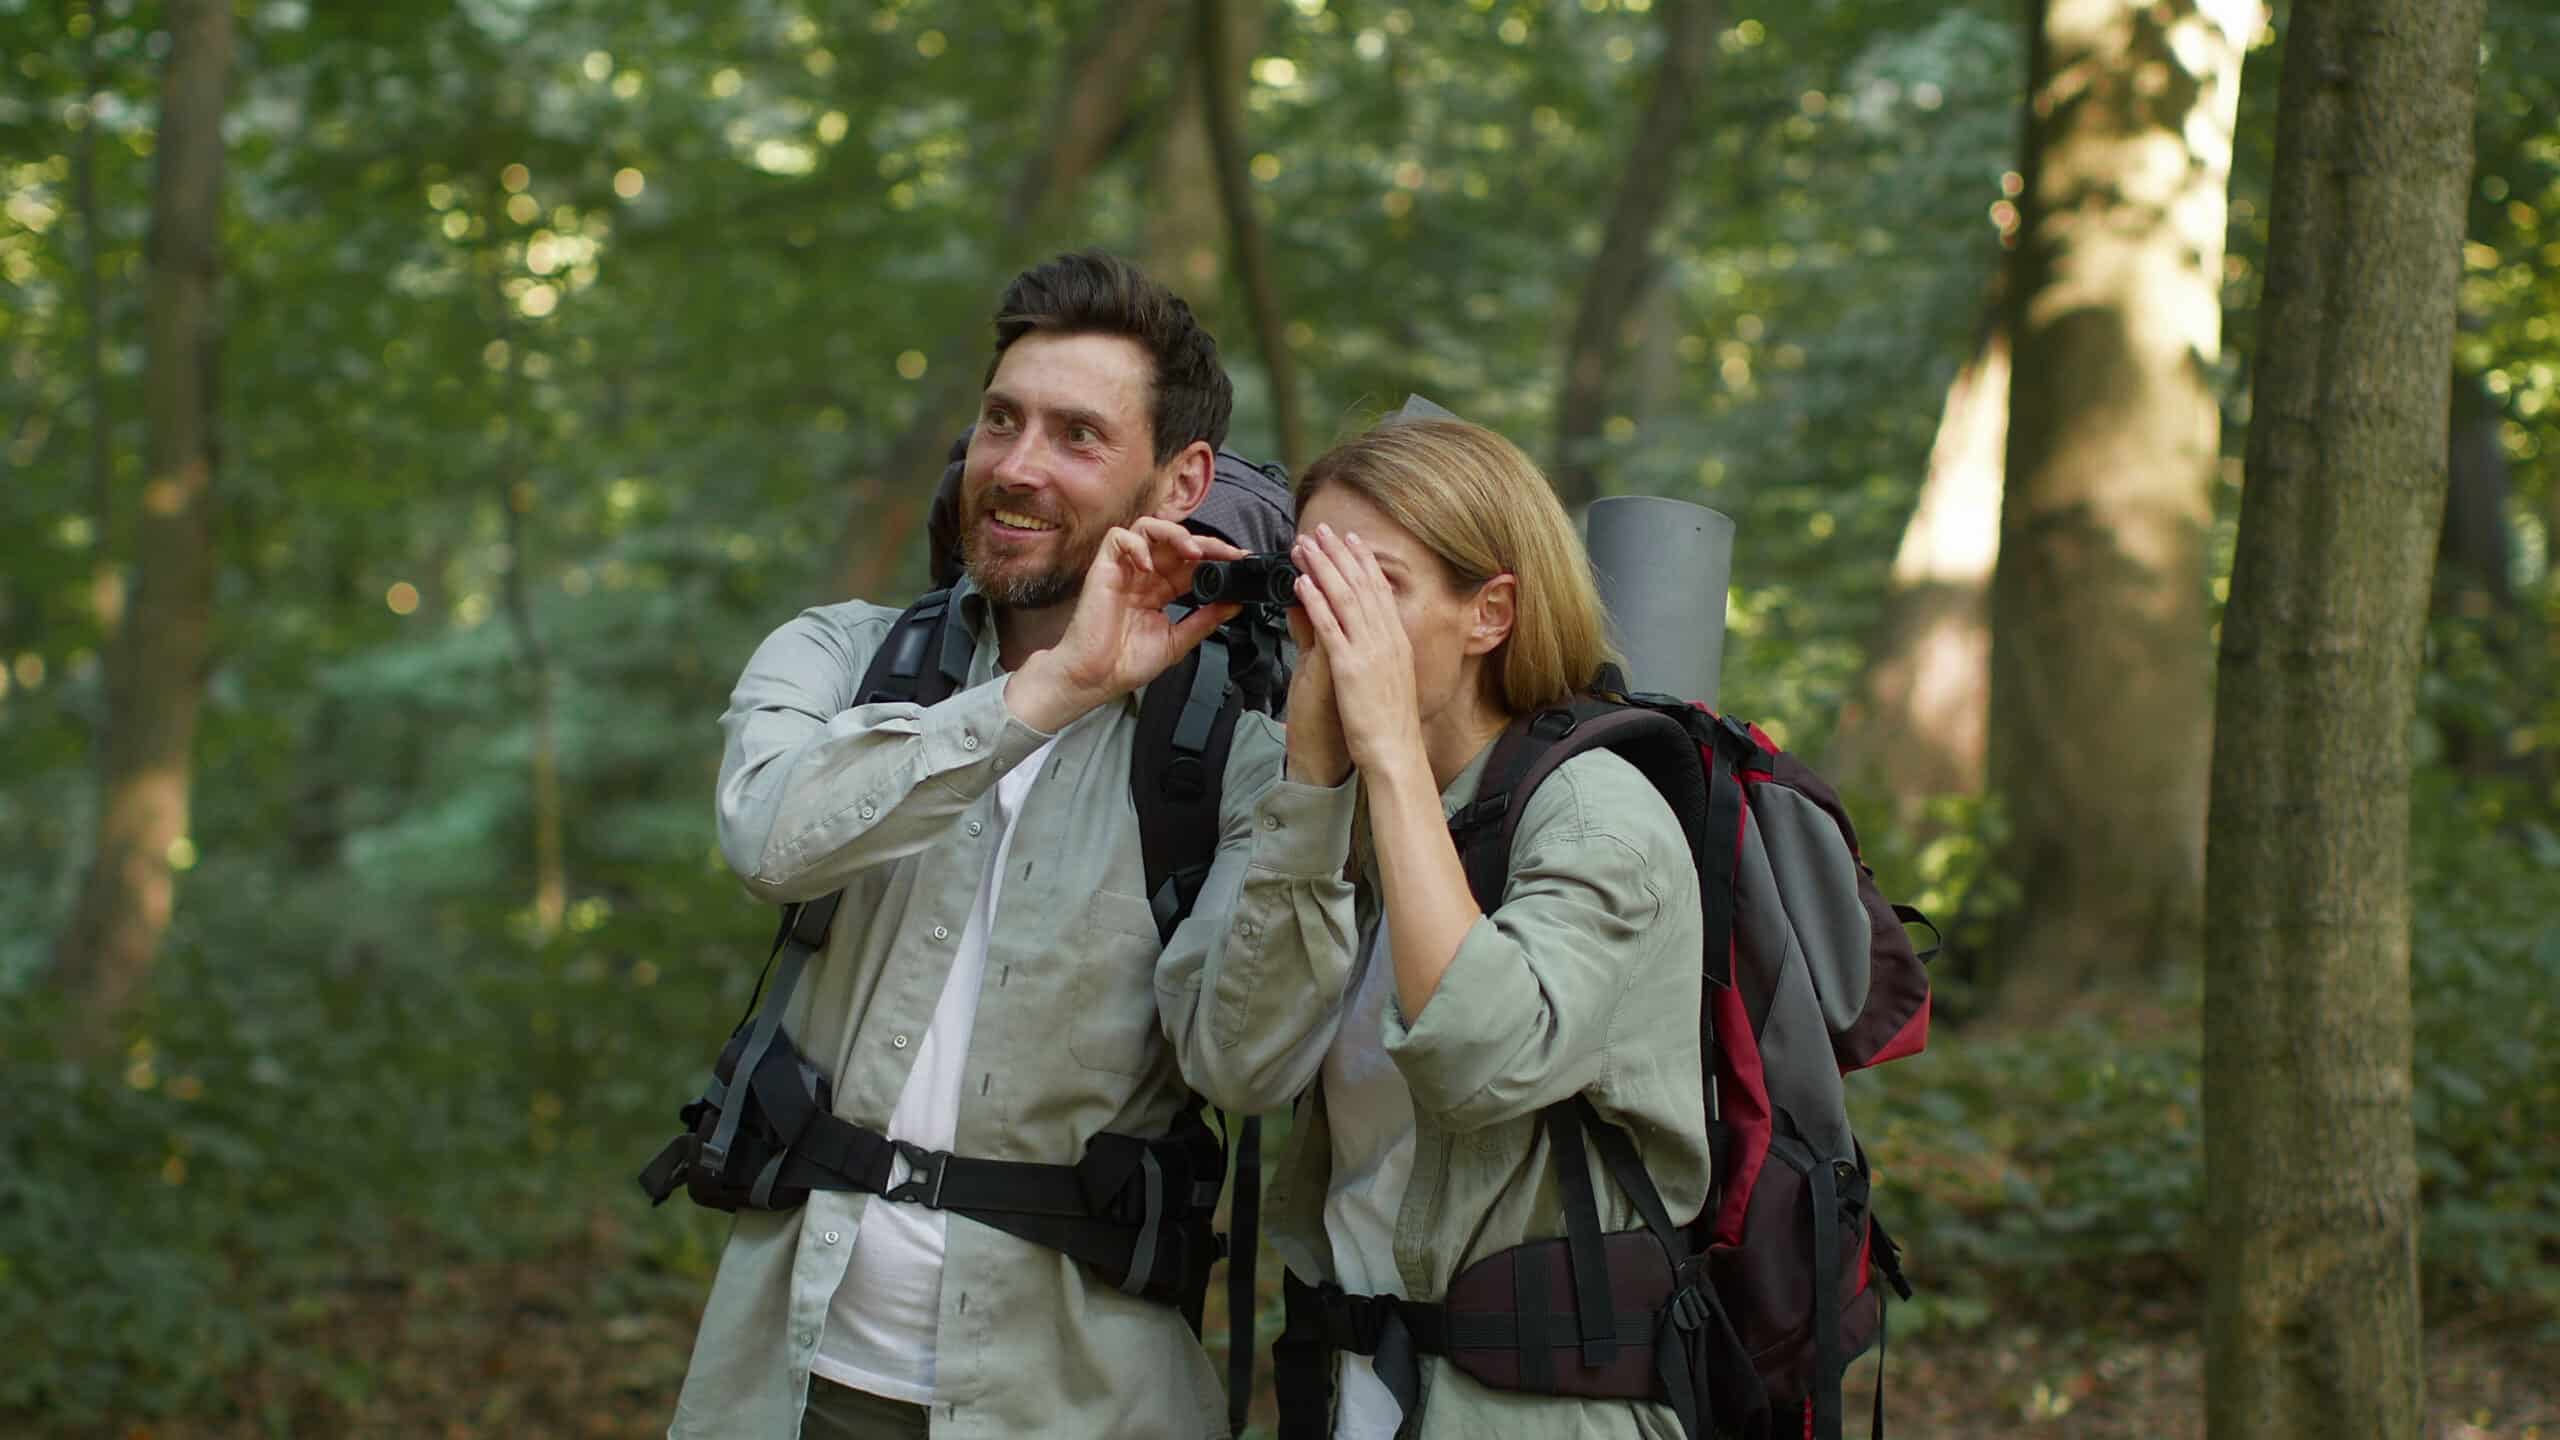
(1320, 616)
(1318, 565)
(1340, 572)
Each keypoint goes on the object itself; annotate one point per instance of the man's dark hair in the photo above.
(1094, 293)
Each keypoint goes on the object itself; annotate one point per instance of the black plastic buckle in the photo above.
(1689, 1309)
(923, 1185)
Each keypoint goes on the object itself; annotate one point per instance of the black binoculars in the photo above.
(1268, 579)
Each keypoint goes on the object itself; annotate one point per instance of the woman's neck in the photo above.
(1456, 735)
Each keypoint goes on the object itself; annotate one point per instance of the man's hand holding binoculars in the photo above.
(1118, 637)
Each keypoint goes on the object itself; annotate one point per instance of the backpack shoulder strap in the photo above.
(1177, 775)
(1657, 743)
(924, 658)
(1177, 770)
(898, 671)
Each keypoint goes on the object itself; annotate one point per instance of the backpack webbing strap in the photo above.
(1244, 1222)
(804, 931)
(1720, 865)
(1186, 724)
(1829, 1201)
(1592, 1300)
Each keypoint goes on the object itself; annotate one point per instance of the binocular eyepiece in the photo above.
(1268, 579)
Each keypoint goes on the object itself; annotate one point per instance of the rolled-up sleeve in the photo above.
(1250, 989)
(814, 788)
(1525, 1013)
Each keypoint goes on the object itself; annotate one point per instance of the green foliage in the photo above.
(2040, 1160)
(561, 339)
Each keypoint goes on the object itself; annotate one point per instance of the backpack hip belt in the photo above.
(1627, 1315)
(1138, 1212)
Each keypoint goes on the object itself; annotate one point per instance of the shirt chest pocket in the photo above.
(1114, 954)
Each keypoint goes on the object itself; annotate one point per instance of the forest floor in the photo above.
(576, 1346)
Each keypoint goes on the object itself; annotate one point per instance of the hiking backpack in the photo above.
(766, 1155)
(1810, 974)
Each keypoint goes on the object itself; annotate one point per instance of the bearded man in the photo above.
(986, 988)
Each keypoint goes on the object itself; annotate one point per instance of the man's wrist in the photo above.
(1039, 696)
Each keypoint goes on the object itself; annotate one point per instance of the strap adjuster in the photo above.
(925, 1168)
(1689, 1309)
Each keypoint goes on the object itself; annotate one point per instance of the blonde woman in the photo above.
(1443, 595)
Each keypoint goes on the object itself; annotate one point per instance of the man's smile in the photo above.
(1016, 520)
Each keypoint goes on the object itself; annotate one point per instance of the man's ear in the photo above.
(1496, 602)
(1186, 480)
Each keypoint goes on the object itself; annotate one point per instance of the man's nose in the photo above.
(1018, 463)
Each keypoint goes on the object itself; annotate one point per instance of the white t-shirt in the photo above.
(1369, 1109)
(881, 1325)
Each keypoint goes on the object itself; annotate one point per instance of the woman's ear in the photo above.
(1495, 604)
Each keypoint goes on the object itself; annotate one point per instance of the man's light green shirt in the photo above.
(897, 804)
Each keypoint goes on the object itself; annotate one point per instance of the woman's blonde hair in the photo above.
(1474, 500)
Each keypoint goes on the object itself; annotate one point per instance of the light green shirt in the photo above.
(1586, 978)
(896, 803)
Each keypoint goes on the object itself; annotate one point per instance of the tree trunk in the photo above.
(156, 666)
(550, 864)
(2100, 694)
(889, 505)
(2311, 1177)
(1224, 105)
(1915, 730)
(1182, 220)
(106, 584)
(1623, 268)
(516, 497)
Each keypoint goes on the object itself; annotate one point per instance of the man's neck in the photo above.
(1021, 634)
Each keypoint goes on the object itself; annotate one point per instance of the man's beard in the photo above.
(1013, 582)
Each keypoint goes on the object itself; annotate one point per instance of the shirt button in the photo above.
(941, 933)
(975, 827)
(968, 742)
(868, 811)
(1270, 822)
(898, 1041)
(808, 1338)
(833, 1237)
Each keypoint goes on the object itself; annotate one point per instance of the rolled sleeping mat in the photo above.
(1663, 567)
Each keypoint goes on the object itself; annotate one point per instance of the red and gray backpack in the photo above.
(1810, 975)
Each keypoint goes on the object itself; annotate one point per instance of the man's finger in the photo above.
(1132, 550)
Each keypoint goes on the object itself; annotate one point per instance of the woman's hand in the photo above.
(1118, 638)
(1368, 661)
(1317, 755)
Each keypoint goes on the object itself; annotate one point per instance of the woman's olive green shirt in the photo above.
(1585, 979)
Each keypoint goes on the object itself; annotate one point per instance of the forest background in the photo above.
(412, 413)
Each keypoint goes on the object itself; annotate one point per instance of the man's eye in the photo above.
(999, 421)
(1083, 434)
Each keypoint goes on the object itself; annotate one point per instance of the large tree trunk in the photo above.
(889, 503)
(2311, 1176)
(156, 666)
(1622, 270)
(1223, 103)
(2100, 698)
(1915, 730)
